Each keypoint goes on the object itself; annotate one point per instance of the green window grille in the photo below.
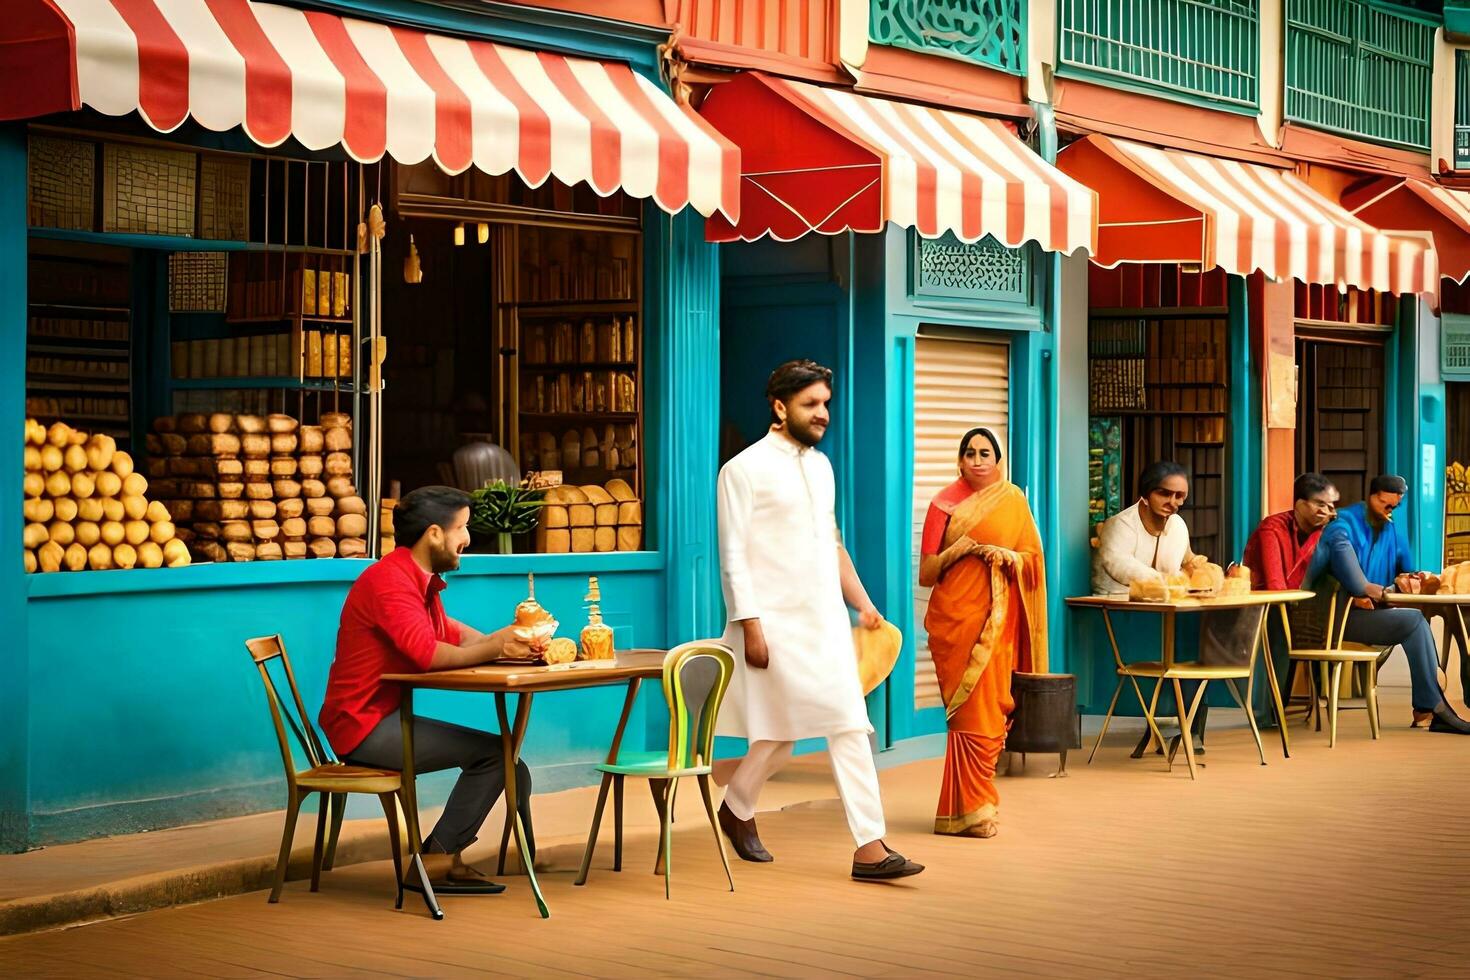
(1454, 347)
(1201, 49)
(1462, 110)
(947, 268)
(991, 32)
(1359, 69)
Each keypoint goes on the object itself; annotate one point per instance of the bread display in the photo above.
(242, 487)
(85, 507)
(590, 518)
(1206, 579)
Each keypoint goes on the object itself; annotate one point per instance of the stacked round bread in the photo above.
(87, 508)
(260, 488)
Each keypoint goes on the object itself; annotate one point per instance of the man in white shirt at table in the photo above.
(1149, 537)
(788, 583)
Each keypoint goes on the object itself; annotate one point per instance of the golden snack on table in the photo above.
(1237, 582)
(533, 624)
(1206, 579)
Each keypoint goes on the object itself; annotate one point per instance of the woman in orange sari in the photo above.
(981, 553)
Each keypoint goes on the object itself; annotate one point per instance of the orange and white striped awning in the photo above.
(826, 160)
(374, 89)
(1158, 205)
(1442, 211)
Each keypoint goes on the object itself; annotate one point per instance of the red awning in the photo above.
(1393, 203)
(280, 72)
(1158, 205)
(828, 160)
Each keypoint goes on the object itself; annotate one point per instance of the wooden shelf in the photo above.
(579, 416)
(555, 308)
(581, 366)
(56, 382)
(286, 383)
(290, 318)
(92, 312)
(84, 348)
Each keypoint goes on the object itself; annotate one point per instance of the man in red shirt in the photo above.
(1281, 547)
(394, 622)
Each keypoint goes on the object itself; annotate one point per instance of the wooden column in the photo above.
(1273, 337)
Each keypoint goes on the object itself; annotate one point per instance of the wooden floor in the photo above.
(1351, 862)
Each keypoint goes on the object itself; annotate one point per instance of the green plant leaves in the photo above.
(500, 508)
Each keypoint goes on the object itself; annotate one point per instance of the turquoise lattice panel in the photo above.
(991, 32)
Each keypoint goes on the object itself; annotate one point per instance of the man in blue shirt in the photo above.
(1369, 556)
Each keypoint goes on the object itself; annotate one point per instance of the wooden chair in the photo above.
(696, 676)
(1330, 660)
(1177, 673)
(332, 779)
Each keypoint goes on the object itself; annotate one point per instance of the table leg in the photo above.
(1276, 704)
(523, 717)
(512, 795)
(411, 808)
(1184, 713)
(1462, 644)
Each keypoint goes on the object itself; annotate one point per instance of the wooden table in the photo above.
(1450, 608)
(630, 667)
(1169, 611)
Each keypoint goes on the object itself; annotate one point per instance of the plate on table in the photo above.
(517, 662)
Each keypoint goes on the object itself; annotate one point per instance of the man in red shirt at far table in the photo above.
(1281, 548)
(394, 622)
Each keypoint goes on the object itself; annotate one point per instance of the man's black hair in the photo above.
(1309, 485)
(1388, 483)
(1155, 473)
(424, 508)
(792, 377)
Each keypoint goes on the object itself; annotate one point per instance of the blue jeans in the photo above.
(1408, 628)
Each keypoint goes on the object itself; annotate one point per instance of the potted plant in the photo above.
(502, 509)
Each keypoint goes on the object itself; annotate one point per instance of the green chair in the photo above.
(696, 676)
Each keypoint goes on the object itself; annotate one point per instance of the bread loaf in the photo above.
(341, 486)
(260, 491)
(221, 422)
(283, 444)
(258, 510)
(150, 555)
(112, 510)
(338, 440)
(193, 422)
(293, 528)
(265, 530)
(99, 557)
(352, 548)
(231, 491)
(282, 466)
(294, 549)
(583, 538)
(605, 538)
(630, 538)
(286, 489)
(310, 466)
(240, 551)
(287, 509)
(223, 444)
(124, 556)
(250, 424)
(224, 468)
(320, 506)
(321, 527)
(180, 511)
(630, 512)
(1148, 588)
(268, 551)
(207, 551)
(323, 548)
(281, 424)
(336, 420)
(207, 530)
(165, 423)
(255, 446)
(136, 532)
(553, 541)
(175, 554)
(314, 489)
(351, 526)
(351, 505)
(173, 445)
(235, 531)
(312, 439)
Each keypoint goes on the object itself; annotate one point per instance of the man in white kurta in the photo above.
(785, 574)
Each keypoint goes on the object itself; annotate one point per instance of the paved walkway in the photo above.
(1350, 862)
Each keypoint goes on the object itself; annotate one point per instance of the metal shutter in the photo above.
(958, 385)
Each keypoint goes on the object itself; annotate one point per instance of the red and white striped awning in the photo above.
(1158, 205)
(325, 80)
(1442, 211)
(826, 160)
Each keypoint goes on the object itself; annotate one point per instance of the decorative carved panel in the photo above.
(991, 32)
(949, 267)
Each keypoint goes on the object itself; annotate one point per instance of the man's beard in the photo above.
(444, 561)
(806, 435)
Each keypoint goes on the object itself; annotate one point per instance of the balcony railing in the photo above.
(1360, 69)
(1201, 49)
(991, 32)
(1462, 110)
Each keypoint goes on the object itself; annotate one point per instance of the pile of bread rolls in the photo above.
(616, 448)
(260, 488)
(590, 518)
(86, 507)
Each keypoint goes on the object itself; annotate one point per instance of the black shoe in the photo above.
(1445, 720)
(743, 837)
(895, 865)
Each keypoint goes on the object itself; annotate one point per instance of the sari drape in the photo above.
(985, 622)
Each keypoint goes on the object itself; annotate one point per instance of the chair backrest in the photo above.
(696, 676)
(264, 650)
(1337, 619)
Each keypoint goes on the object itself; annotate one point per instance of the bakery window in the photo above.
(515, 320)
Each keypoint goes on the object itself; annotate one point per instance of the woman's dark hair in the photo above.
(980, 431)
(1155, 473)
(791, 377)
(1309, 485)
(1388, 483)
(424, 508)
